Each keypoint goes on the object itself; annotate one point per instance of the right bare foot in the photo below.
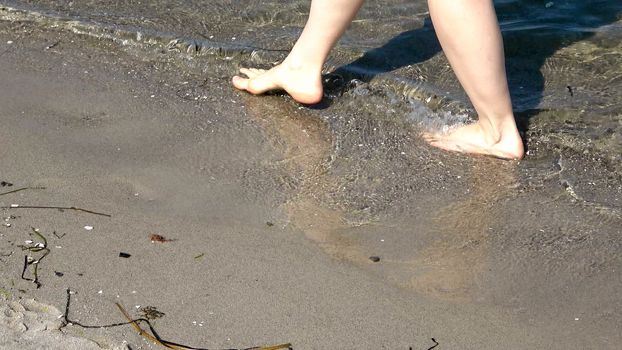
(472, 138)
(302, 84)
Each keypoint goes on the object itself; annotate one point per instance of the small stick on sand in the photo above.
(17, 206)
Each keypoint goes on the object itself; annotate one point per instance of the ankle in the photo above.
(504, 128)
(491, 134)
(504, 135)
(302, 63)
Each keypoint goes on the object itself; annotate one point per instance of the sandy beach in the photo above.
(234, 221)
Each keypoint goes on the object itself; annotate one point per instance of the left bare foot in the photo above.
(473, 139)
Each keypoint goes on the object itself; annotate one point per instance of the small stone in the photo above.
(59, 274)
(88, 228)
(374, 258)
(124, 255)
(10, 42)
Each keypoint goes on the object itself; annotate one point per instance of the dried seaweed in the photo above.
(151, 313)
(159, 238)
(34, 247)
(151, 335)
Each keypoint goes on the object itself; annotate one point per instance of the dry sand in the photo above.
(254, 257)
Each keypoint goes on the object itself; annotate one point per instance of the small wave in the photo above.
(128, 35)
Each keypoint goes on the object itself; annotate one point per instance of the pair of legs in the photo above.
(469, 34)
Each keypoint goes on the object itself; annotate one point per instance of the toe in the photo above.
(240, 83)
(261, 83)
(432, 138)
(248, 72)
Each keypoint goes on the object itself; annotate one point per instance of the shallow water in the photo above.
(561, 55)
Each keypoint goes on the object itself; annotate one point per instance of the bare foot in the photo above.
(304, 85)
(472, 139)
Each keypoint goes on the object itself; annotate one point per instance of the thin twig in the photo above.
(23, 189)
(16, 206)
(67, 321)
(435, 344)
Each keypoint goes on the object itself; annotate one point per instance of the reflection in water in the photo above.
(450, 267)
(306, 146)
(457, 254)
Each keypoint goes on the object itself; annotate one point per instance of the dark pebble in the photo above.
(270, 224)
(4, 183)
(374, 258)
(59, 274)
(124, 255)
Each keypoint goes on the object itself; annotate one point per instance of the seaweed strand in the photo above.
(153, 336)
(36, 248)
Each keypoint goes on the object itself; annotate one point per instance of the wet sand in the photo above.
(273, 211)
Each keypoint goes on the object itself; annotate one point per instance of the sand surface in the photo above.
(261, 246)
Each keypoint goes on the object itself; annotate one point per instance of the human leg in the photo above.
(300, 73)
(471, 39)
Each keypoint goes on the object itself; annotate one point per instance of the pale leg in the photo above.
(300, 73)
(469, 34)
